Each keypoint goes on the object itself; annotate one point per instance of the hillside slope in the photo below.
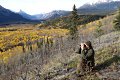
(107, 56)
(107, 59)
(55, 58)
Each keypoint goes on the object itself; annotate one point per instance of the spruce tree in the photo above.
(74, 21)
(117, 21)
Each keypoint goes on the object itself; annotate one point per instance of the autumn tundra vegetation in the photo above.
(46, 51)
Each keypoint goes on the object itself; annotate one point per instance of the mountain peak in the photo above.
(1, 7)
(7, 16)
(102, 4)
(21, 11)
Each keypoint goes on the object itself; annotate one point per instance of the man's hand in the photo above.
(82, 46)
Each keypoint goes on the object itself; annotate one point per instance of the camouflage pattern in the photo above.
(87, 61)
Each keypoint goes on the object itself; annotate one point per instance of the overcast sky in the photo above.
(43, 6)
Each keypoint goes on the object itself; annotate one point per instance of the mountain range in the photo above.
(51, 15)
(7, 16)
(102, 8)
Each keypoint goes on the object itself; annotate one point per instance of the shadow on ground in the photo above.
(114, 59)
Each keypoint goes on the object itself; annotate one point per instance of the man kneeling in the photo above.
(87, 61)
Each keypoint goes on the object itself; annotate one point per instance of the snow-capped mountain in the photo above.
(51, 15)
(99, 7)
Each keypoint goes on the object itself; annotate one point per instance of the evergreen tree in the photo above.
(74, 14)
(117, 21)
(74, 21)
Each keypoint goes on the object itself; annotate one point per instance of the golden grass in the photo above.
(10, 38)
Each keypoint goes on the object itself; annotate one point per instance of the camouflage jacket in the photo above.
(87, 54)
